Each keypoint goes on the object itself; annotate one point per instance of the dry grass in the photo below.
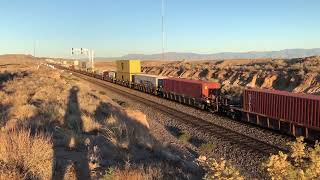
(24, 155)
(70, 173)
(131, 173)
(41, 103)
(24, 112)
(89, 124)
(125, 127)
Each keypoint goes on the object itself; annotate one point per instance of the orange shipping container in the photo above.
(191, 88)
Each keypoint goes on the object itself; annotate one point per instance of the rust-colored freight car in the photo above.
(294, 112)
(192, 92)
(191, 88)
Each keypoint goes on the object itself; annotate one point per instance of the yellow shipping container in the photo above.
(129, 66)
(124, 76)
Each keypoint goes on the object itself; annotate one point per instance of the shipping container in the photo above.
(109, 74)
(297, 108)
(191, 88)
(128, 66)
(112, 74)
(150, 81)
(124, 76)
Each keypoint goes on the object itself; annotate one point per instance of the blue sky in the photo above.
(119, 27)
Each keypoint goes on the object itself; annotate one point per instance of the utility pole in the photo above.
(89, 53)
(163, 28)
(34, 48)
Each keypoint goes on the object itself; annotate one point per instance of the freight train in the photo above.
(291, 113)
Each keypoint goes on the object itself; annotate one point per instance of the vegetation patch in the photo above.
(219, 169)
(184, 137)
(207, 147)
(299, 163)
(25, 155)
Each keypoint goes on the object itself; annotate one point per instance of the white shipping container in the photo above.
(147, 79)
(112, 74)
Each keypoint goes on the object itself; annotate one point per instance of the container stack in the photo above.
(149, 81)
(127, 68)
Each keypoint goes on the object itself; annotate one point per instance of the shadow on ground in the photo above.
(8, 76)
(120, 142)
(65, 158)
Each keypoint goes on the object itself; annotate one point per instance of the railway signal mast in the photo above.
(84, 51)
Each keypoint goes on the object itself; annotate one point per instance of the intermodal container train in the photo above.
(292, 113)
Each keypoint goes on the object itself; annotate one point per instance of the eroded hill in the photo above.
(296, 75)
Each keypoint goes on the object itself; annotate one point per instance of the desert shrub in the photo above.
(220, 170)
(116, 132)
(184, 137)
(87, 102)
(24, 155)
(24, 112)
(17, 99)
(7, 172)
(299, 163)
(127, 127)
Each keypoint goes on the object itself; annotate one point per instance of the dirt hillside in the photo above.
(55, 126)
(295, 75)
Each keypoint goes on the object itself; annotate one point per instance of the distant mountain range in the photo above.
(285, 54)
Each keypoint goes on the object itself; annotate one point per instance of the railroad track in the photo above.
(232, 137)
